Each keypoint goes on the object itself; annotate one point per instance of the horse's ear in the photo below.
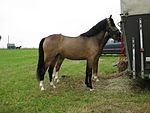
(110, 16)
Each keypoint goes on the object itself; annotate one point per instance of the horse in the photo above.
(60, 60)
(87, 46)
(19, 47)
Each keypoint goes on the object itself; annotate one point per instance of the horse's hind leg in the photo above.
(42, 82)
(42, 73)
(57, 68)
(50, 71)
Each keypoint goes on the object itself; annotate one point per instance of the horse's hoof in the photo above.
(91, 90)
(89, 86)
(52, 84)
(42, 89)
(97, 80)
(57, 81)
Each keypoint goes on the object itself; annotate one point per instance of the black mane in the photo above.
(95, 29)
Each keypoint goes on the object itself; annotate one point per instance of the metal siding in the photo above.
(146, 33)
(131, 28)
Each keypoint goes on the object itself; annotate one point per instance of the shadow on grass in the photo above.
(140, 84)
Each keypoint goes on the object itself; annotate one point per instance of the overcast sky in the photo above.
(26, 22)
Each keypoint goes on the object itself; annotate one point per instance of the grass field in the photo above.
(19, 89)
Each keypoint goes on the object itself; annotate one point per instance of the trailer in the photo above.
(135, 26)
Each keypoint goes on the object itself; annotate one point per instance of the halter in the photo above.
(111, 30)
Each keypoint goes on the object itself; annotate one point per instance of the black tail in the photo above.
(40, 66)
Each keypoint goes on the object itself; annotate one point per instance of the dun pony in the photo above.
(87, 46)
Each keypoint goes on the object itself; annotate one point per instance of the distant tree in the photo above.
(0, 37)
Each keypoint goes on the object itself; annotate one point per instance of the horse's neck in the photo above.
(100, 36)
(102, 39)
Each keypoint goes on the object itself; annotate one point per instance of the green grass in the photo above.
(19, 91)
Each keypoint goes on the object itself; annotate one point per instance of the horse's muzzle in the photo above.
(118, 33)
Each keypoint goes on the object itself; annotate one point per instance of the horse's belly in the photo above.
(77, 48)
(75, 56)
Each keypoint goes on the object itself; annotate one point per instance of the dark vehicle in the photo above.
(112, 47)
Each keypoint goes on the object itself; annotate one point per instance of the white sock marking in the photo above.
(42, 85)
(95, 77)
(52, 84)
(57, 77)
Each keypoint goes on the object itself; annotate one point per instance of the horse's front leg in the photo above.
(88, 79)
(95, 70)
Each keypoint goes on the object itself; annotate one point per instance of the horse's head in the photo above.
(112, 30)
